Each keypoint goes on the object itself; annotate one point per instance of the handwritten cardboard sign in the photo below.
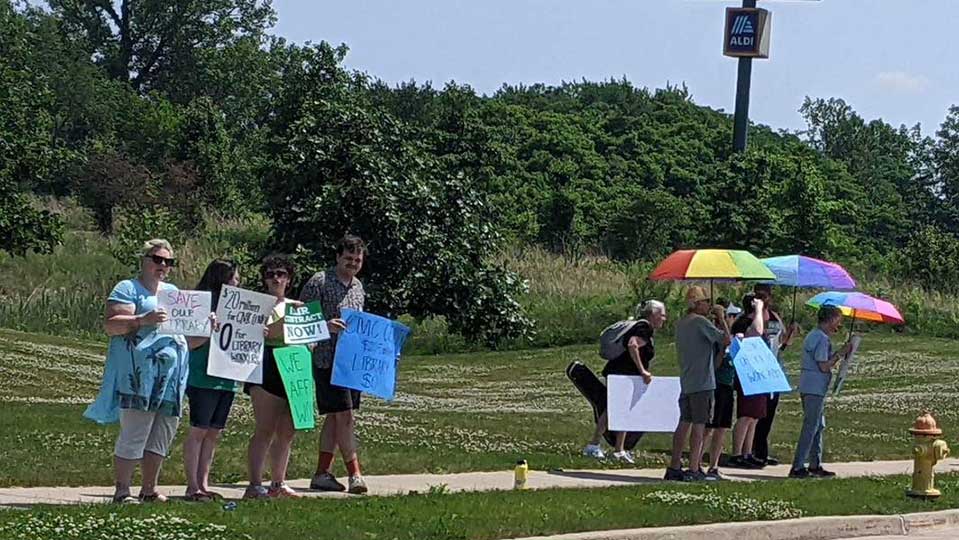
(367, 353)
(758, 369)
(188, 311)
(304, 324)
(236, 349)
(295, 365)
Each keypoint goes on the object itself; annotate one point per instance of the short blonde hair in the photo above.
(152, 245)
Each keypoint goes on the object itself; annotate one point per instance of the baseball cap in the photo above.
(733, 310)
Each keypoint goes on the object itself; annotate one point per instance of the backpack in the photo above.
(611, 339)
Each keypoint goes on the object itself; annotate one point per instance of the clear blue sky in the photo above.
(892, 59)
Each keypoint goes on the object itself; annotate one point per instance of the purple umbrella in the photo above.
(799, 271)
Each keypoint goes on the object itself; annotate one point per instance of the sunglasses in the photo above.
(275, 274)
(162, 261)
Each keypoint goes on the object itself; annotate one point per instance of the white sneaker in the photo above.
(594, 451)
(357, 485)
(625, 456)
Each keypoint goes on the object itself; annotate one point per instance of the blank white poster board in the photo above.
(635, 406)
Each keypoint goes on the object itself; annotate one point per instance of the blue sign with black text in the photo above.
(758, 369)
(367, 353)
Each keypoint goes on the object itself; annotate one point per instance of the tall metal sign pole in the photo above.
(746, 37)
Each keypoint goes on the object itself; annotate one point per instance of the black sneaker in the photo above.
(819, 472)
(675, 474)
(772, 462)
(714, 474)
(696, 476)
(757, 463)
(739, 462)
(799, 473)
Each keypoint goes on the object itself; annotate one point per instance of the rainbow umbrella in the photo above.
(809, 273)
(799, 271)
(724, 264)
(859, 306)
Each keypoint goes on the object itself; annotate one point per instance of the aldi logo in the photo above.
(743, 25)
(747, 32)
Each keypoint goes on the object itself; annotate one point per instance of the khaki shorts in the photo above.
(142, 431)
(696, 408)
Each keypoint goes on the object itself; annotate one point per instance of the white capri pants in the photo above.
(142, 431)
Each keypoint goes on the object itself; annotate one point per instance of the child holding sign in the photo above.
(211, 398)
(274, 431)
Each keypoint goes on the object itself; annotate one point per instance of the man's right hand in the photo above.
(336, 325)
(647, 377)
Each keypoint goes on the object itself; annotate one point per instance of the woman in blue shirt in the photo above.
(145, 374)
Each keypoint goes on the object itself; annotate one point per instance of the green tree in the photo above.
(27, 149)
(157, 44)
(343, 165)
(946, 165)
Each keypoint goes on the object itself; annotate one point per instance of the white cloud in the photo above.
(902, 82)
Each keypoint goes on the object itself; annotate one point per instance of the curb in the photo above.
(931, 520)
(812, 528)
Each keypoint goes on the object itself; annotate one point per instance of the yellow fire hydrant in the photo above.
(926, 452)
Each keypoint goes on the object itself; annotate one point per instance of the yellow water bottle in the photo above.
(520, 474)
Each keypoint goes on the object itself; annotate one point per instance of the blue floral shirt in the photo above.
(145, 371)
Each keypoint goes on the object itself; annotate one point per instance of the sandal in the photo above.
(213, 495)
(199, 496)
(154, 497)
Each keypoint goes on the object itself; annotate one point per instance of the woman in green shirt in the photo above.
(210, 397)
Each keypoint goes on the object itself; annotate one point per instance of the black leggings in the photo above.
(763, 427)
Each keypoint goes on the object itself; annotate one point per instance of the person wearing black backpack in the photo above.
(629, 348)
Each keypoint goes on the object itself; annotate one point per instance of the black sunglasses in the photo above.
(271, 274)
(162, 261)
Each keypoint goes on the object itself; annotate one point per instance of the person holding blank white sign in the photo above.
(638, 352)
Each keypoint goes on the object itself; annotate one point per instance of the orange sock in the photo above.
(326, 461)
(353, 467)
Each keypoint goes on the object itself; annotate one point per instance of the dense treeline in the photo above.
(155, 114)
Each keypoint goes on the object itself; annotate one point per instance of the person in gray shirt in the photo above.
(696, 344)
(818, 360)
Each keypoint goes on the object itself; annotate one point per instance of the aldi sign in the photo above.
(747, 32)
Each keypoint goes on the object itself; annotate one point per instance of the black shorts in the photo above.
(722, 408)
(209, 408)
(331, 398)
(272, 382)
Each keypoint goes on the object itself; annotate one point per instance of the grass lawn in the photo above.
(454, 413)
(468, 515)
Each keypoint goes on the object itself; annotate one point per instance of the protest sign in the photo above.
(848, 362)
(188, 312)
(236, 348)
(304, 324)
(295, 365)
(367, 353)
(635, 406)
(758, 369)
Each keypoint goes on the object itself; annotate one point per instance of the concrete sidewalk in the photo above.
(477, 481)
